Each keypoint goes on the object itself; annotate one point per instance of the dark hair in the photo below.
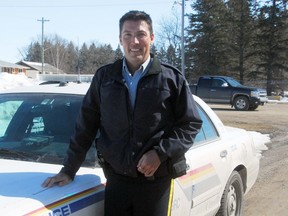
(136, 15)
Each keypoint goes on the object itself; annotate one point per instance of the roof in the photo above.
(38, 66)
(10, 65)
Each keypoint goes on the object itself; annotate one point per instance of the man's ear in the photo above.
(152, 39)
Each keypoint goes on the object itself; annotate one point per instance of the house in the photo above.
(12, 68)
(35, 68)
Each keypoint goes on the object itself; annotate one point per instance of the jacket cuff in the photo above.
(68, 172)
(161, 154)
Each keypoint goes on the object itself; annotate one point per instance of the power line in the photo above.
(90, 5)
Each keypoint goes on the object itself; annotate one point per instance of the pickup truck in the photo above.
(226, 90)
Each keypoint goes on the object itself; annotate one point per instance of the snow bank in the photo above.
(260, 141)
(8, 81)
(284, 99)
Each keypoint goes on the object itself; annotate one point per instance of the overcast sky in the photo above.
(73, 20)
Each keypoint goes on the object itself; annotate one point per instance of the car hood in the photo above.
(21, 192)
(252, 88)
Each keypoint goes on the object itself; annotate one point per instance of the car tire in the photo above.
(232, 198)
(241, 103)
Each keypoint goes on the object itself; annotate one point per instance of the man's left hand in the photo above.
(149, 163)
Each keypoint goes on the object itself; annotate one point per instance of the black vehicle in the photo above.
(226, 90)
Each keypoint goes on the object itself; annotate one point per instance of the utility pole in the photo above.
(78, 61)
(182, 34)
(182, 40)
(43, 20)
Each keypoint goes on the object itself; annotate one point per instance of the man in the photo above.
(147, 120)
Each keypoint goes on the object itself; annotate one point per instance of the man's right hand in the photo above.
(60, 179)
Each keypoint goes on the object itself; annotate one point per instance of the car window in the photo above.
(204, 82)
(208, 131)
(7, 111)
(37, 127)
(234, 83)
(216, 83)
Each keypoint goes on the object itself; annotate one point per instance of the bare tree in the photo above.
(55, 51)
(169, 39)
(169, 32)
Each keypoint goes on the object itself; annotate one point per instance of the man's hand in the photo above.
(149, 163)
(60, 179)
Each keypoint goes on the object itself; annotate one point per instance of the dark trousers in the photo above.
(126, 196)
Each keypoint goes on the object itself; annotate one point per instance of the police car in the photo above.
(35, 126)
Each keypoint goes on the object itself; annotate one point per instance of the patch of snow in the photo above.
(284, 99)
(260, 141)
(9, 81)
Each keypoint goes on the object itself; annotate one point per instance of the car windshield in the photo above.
(233, 82)
(37, 127)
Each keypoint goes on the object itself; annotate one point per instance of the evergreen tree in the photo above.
(84, 59)
(272, 44)
(207, 49)
(171, 57)
(92, 59)
(106, 55)
(118, 53)
(34, 52)
(241, 28)
(71, 60)
(162, 54)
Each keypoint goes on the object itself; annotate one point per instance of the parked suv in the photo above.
(226, 90)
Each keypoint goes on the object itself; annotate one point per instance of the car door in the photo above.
(203, 88)
(220, 91)
(200, 190)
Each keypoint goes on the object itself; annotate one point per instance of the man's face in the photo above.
(136, 40)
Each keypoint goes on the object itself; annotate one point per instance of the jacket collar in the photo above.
(116, 68)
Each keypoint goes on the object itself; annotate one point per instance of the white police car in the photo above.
(35, 126)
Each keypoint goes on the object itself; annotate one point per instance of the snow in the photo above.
(9, 81)
(282, 100)
(260, 141)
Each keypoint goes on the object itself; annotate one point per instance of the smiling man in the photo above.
(147, 120)
(136, 37)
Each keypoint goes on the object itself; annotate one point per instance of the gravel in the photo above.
(269, 195)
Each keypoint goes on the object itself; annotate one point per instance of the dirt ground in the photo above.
(269, 195)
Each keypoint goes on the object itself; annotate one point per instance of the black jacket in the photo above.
(164, 118)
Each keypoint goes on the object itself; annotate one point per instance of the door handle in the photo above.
(223, 153)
